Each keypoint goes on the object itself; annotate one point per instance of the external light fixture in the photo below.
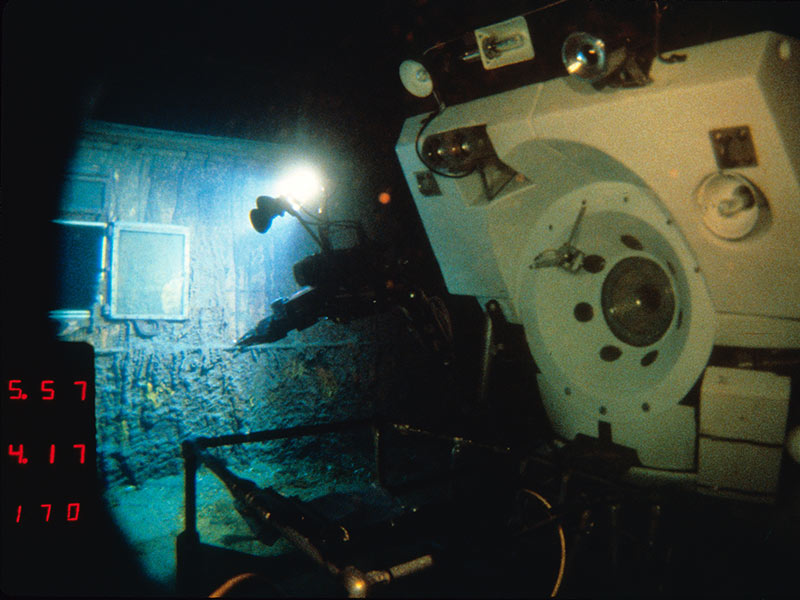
(301, 187)
(416, 78)
(297, 192)
(267, 208)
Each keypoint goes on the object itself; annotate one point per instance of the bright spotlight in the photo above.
(301, 186)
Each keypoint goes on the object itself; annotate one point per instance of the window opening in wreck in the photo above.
(149, 271)
(84, 195)
(79, 251)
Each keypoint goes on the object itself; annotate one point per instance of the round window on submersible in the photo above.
(638, 301)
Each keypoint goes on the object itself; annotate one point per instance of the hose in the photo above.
(561, 540)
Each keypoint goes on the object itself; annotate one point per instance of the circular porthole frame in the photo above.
(567, 352)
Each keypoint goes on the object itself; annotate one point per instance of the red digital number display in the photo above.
(45, 511)
(81, 448)
(48, 392)
(49, 452)
(50, 514)
(18, 452)
(19, 395)
(82, 385)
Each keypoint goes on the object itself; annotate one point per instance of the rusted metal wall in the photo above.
(159, 382)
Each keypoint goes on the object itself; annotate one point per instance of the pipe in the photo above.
(277, 434)
(190, 487)
(486, 356)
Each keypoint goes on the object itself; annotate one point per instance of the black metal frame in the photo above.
(316, 537)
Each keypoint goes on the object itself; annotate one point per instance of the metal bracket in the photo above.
(733, 147)
(504, 43)
(426, 184)
(566, 256)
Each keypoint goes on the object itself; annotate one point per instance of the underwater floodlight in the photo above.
(416, 79)
(267, 208)
(301, 186)
(585, 56)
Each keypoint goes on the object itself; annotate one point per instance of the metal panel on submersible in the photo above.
(682, 198)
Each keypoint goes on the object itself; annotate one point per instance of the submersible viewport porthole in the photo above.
(638, 301)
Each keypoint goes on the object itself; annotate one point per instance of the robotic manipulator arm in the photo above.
(351, 283)
(340, 285)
